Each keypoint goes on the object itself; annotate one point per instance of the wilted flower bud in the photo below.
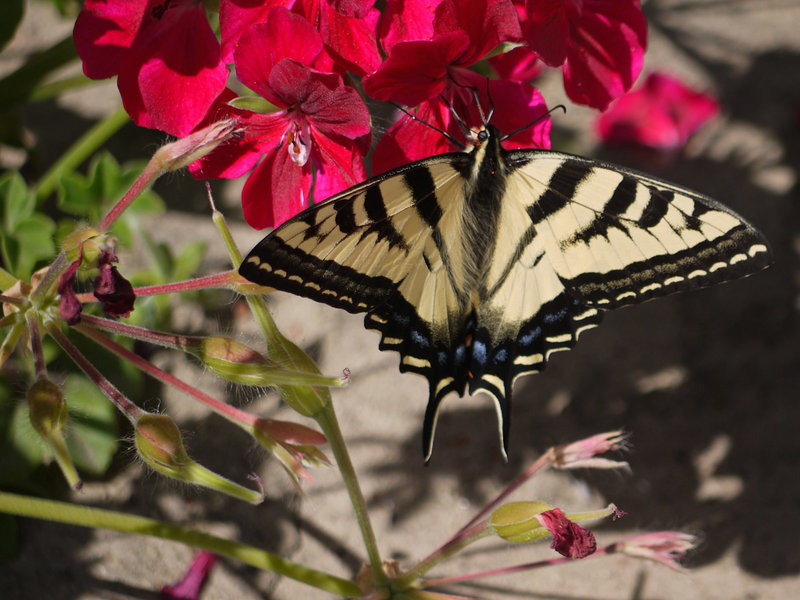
(294, 445)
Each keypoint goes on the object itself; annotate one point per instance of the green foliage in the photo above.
(93, 431)
(89, 196)
(26, 236)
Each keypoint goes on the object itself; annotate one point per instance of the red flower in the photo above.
(600, 44)
(347, 29)
(323, 127)
(434, 75)
(569, 538)
(519, 64)
(516, 105)
(662, 114)
(464, 32)
(164, 53)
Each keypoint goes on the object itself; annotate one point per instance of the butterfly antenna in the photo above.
(532, 123)
(449, 137)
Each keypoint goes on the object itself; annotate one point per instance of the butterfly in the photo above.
(477, 266)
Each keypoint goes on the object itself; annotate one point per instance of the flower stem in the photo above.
(233, 414)
(330, 427)
(64, 512)
(128, 408)
(86, 145)
(283, 352)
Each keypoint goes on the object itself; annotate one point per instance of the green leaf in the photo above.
(10, 17)
(34, 242)
(91, 196)
(93, 430)
(16, 201)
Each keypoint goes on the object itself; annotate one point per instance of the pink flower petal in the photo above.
(340, 166)
(68, 305)
(104, 32)
(275, 191)
(191, 586)
(519, 64)
(409, 140)
(350, 41)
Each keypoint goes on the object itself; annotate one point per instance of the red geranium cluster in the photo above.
(304, 58)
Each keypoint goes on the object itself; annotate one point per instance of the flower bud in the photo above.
(159, 443)
(517, 521)
(239, 363)
(182, 152)
(48, 410)
(48, 413)
(82, 243)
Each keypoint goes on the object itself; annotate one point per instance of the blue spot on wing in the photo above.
(420, 339)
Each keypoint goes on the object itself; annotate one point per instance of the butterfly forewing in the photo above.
(617, 237)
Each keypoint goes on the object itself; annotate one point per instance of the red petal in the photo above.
(569, 538)
(191, 586)
(284, 36)
(339, 166)
(519, 64)
(607, 44)
(236, 16)
(173, 73)
(275, 191)
(547, 30)
(517, 105)
(104, 32)
(415, 71)
(486, 22)
(351, 41)
(352, 8)
(406, 21)
(409, 140)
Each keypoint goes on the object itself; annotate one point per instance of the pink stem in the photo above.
(128, 408)
(226, 410)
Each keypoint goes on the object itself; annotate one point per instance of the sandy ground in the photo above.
(706, 383)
